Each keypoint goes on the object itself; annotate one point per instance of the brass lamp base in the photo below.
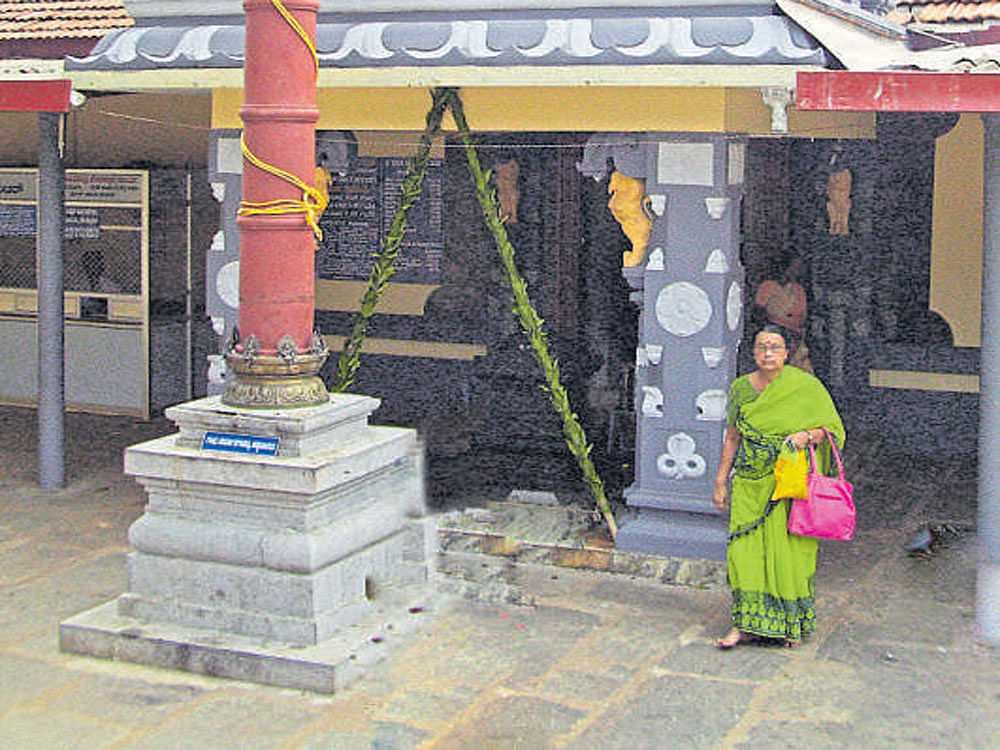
(275, 383)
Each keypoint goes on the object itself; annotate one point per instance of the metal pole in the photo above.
(51, 395)
(188, 301)
(988, 588)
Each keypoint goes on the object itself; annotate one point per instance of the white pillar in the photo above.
(988, 589)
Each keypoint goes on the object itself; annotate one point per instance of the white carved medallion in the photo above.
(713, 355)
(717, 262)
(683, 309)
(655, 262)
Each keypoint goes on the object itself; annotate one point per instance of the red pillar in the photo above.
(277, 250)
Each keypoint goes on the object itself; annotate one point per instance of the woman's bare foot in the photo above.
(733, 638)
(792, 644)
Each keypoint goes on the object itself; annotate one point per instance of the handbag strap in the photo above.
(833, 447)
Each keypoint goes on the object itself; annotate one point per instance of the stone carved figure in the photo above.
(838, 204)
(505, 177)
(784, 302)
(627, 207)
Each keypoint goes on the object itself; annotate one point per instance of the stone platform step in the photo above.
(479, 545)
(323, 668)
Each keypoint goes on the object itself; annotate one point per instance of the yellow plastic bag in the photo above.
(790, 472)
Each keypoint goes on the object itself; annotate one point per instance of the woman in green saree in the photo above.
(770, 570)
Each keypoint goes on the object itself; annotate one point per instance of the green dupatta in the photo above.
(792, 402)
(771, 571)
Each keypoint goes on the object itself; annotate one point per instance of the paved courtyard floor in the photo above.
(587, 659)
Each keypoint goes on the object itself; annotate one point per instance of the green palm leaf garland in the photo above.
(385, 267)
(385, 261)
(576, 439)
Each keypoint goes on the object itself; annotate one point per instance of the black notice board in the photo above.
(362, 206)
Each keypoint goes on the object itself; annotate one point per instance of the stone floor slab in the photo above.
(513, 722)
(24, 679)
(751, 663)
(669, 712)
(241, 722)
(126, 701)
(30, 610)
(37, 728)
(585, 686)
(324, 668)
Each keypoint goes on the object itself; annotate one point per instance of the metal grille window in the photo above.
(105, 236)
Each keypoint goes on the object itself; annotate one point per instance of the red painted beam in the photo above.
(35, 96)
(917, 91)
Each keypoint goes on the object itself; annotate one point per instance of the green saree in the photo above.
(771, 571)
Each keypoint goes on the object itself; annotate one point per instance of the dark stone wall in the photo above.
(868, 291)
(487, 423)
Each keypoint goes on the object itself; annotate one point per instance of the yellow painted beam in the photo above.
(747, 113)
(924, 381)
(399, 299)
(567, 108)
(407, 348)
(513, 108)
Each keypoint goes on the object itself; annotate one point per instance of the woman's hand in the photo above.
(720, 495)
(799, 440)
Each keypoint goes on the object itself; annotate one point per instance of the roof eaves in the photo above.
(758, 40)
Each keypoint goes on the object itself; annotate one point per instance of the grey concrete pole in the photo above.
(51, 394)
(988, 588)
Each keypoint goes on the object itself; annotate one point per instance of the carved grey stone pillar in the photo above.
(689, 287)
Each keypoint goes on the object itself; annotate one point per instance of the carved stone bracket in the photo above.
(777, 98)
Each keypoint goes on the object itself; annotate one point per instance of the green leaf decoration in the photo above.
(576, 439)
(385, 266)
(385, 260)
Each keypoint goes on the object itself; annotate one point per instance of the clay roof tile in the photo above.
(48, 19)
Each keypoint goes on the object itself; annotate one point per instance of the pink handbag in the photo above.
(828, 513)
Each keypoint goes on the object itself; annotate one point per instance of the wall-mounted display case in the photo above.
(106, 266)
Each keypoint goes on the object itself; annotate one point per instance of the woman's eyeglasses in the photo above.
(769, 347)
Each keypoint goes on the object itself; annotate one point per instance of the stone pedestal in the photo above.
(268, 551)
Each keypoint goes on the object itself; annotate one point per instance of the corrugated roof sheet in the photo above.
(61, 19)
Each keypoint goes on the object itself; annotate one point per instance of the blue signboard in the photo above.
(221, 441)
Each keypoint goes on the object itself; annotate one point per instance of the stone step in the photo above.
(480, 545)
